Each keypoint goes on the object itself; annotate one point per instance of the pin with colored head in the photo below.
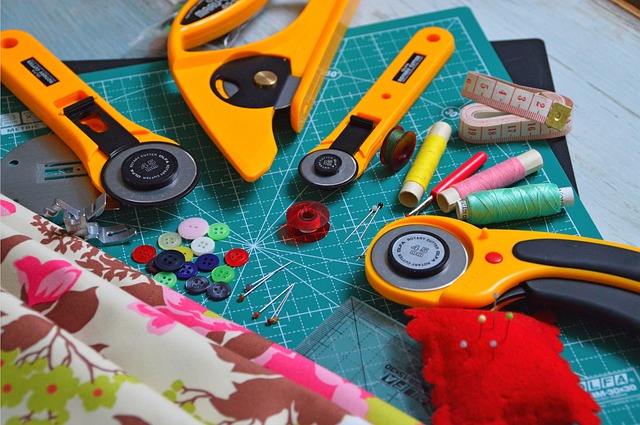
(465, 346)
(493, 344)
(509, 317)
(276, 298)
(482, 319)
(276, 315)
(372, 213)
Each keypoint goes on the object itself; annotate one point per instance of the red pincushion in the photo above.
(522, 380)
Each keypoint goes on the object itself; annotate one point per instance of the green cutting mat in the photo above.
(327, 272)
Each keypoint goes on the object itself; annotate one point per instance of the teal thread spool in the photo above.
(515, 203)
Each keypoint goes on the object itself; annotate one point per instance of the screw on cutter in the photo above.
(259, 312)
(253, 286)
(374, 210)
(274, 319)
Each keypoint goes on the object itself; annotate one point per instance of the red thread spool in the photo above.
(308, 220)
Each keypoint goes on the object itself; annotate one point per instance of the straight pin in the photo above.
(465, 346)
(274, 319)
(482, 320)
(363, 253)
(259, 312)
(509, 317)
(495, 307)
(374, 210)
(253, 286)
(493, 344)
(370, 221)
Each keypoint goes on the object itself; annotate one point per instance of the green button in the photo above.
(169, 240)
(166, 278)
(223, 274)
(218, 231)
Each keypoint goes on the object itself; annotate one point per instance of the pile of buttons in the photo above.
(195, 264)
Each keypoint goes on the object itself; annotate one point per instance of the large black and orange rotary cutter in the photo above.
(235, 92)
(131, 164)
(430, 261)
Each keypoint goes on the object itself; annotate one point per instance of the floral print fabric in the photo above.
(87, 339)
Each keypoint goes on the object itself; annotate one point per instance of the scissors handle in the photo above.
(495, 261)
(617, 305)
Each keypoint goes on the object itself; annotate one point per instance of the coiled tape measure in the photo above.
(510, 112)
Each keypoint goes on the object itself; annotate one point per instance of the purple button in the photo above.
(151, 266)
(187, 270)
(207, 262)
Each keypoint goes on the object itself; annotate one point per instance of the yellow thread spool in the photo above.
(419, 176)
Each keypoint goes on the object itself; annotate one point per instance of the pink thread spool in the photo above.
(498, 176)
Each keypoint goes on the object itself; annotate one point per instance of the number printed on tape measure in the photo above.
(517, 100)
(509, 112)
(475, 127)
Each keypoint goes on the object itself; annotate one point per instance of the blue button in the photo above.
(170, 260)
(187, 270)
(207, 262)
(197, 285)
(219, 291)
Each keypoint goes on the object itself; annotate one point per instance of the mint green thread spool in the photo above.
(515, 203)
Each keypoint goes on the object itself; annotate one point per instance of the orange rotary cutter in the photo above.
(344, 154)
(235, 92)
(430, 261)
(131, 164)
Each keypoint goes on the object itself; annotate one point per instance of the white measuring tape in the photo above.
(508, 112)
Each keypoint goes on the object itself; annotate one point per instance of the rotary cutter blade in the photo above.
(128, 162)
(235, 92)
(345, 153)
(431, 261)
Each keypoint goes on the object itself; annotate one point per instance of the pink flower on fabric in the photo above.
(6, 208)
(313, 376)
(159, 324)
(45, 282)
(193, 315)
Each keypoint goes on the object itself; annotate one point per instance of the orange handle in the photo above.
(46, 86)
(397, 89)
(200, 22)
(245, 135)
(492, 266)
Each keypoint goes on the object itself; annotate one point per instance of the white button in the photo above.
(202, 245)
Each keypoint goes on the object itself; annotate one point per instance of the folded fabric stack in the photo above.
(88, 339)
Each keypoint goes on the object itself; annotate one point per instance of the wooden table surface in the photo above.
(593, 48)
